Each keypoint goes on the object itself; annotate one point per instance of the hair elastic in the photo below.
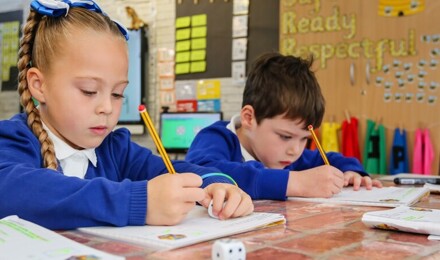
(219, 174)
(55, 8)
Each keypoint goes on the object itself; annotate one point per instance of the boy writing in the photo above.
(263, 148)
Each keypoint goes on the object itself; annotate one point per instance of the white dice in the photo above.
(228, 249)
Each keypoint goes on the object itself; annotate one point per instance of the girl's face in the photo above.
(82, 94)
(275, 142)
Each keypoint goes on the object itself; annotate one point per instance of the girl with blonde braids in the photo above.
(61, 164)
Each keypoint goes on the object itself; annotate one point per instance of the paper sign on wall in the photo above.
(240, 26)
(208, 89)
(238, 72)
(186, 105)
(239, 48)
(209, 105)
(186, 90)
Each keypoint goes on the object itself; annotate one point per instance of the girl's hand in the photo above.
(171, 197)
(355, 179)
(229, 201)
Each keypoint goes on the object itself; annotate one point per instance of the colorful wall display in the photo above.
(377, 59)
(293, 24)
(198, 95)
(9, 44)
(191, 32)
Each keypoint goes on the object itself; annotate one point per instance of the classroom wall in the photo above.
(394, 83)
(160, 16)
(9, 102)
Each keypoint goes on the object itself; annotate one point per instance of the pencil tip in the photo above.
(141, 107)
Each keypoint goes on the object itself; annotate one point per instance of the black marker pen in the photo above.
(415, 181)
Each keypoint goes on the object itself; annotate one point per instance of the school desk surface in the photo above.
(312, 231)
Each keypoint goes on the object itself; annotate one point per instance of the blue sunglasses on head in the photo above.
(54, 8)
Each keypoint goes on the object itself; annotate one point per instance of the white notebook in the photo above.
(197, 227)
(408, 219)
(21, 239)
(381, 197)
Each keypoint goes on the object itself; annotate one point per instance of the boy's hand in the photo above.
(171, 197)
(319, 182)
(357, 181)
(236, 202)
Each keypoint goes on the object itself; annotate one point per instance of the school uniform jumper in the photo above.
(113, 193)
(217, 146)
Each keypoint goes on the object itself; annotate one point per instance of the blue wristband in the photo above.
(218, 174)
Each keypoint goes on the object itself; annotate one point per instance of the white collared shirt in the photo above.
(73, 162)
(233, 126)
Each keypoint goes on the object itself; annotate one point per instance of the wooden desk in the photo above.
(312, 231)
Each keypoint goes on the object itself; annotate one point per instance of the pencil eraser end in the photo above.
(310, 127)
(141, 107)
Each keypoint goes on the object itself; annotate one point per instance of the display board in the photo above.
(375, 60)
(262, 33)
(10, 24)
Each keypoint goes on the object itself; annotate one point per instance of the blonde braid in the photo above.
(34, 120)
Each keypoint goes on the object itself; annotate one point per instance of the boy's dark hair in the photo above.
(284, 85)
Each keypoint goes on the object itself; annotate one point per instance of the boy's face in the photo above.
(82, 94)
(276, 142)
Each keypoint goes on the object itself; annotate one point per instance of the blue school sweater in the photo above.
(113, 193)
(217, 146)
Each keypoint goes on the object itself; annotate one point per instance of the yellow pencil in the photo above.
(147, 120)
(321, 151)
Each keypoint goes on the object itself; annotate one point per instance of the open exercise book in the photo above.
(408, 219)
(381, 197)
(197, 227)
(21, 239)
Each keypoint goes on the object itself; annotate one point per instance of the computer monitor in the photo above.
(178, 129)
